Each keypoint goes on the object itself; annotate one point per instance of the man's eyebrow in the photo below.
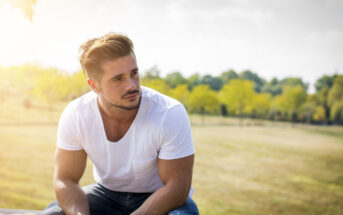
(134, 70)
(117, 76)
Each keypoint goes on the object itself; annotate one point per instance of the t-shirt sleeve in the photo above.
(176, 135)
(68, 131)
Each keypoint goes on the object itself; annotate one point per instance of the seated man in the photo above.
(139, 141)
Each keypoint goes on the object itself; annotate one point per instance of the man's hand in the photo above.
(69, 168)
(176, 176)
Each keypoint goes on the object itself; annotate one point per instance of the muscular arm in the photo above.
(69, 168)
(176, 176)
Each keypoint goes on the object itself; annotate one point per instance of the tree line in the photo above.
(246, 94)
(238, 94)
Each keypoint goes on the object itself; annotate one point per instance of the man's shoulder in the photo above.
(157, 100)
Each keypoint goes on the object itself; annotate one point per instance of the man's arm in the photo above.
(69, 168)
(176, 176)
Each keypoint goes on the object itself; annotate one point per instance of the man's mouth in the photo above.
(130, 95)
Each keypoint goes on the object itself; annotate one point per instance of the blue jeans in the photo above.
(103, 201)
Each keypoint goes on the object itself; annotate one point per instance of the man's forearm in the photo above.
(71, 197)
(165, 199)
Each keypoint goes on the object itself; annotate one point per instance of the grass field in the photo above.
(262, 168)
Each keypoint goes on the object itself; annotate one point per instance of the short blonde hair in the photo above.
(96, 51)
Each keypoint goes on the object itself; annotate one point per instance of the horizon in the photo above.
(302, 39)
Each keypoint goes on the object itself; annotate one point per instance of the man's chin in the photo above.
(131, 107)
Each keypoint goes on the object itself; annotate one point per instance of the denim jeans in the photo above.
(103, 201)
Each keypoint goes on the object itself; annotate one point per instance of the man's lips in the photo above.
(131, 96)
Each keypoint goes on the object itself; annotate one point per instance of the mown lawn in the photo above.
(263, 168)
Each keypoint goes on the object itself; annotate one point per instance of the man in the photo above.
(139, 141)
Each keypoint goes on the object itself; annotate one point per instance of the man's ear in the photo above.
(94, 85)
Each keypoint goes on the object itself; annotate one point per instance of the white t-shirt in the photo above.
(161, 129)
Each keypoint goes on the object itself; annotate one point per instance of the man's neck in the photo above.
(115, 113)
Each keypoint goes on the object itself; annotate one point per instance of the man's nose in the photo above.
(131, 85)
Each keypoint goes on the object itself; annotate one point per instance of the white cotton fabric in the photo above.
(161, 129)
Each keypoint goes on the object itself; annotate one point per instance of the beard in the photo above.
(128, 108)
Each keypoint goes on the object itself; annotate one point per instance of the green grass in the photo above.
(269, 169)
(259, 168)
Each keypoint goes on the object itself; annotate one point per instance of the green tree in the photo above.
(322, 87)
(203, 100)
(336, 92)
(227, 76)
(174, 79)
(152, 73)
(277, 108)
(238, 95)
(324, 82)
(308, 109)
(181, 94)
(293, 82)
(273, 87)
(335, 100)
(248, 75)
(319, 114)
(46, 88)
(71, 86)
(214, 82)
(292, 99)
(261, 104)
(336, 114)
(193, 81)
(158, 85)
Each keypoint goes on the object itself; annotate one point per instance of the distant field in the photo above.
(259, 168)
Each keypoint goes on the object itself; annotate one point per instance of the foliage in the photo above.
(261, 104)
(319, 114)
(248, 75)
(152, 73)
(174, 79)
(193, 81)
(26, 6)
(227, 76)
(238, 96)
(336, 114)
(203, 100)
(336, 91)
(290, 101)
(325, 82)
(335, 100)
(214, 82)
(181, 94)
(307, 110)
(157, 84)
(273, 87)
(293, 82)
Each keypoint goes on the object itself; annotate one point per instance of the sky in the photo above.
(273, 38)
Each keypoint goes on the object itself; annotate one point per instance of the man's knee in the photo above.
(190, 208)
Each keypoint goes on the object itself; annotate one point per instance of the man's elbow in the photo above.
(62, 185)
(183, 197)
(183, 201)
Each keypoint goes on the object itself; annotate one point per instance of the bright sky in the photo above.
(275, 38)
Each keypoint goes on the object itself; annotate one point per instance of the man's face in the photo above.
(119, 85)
